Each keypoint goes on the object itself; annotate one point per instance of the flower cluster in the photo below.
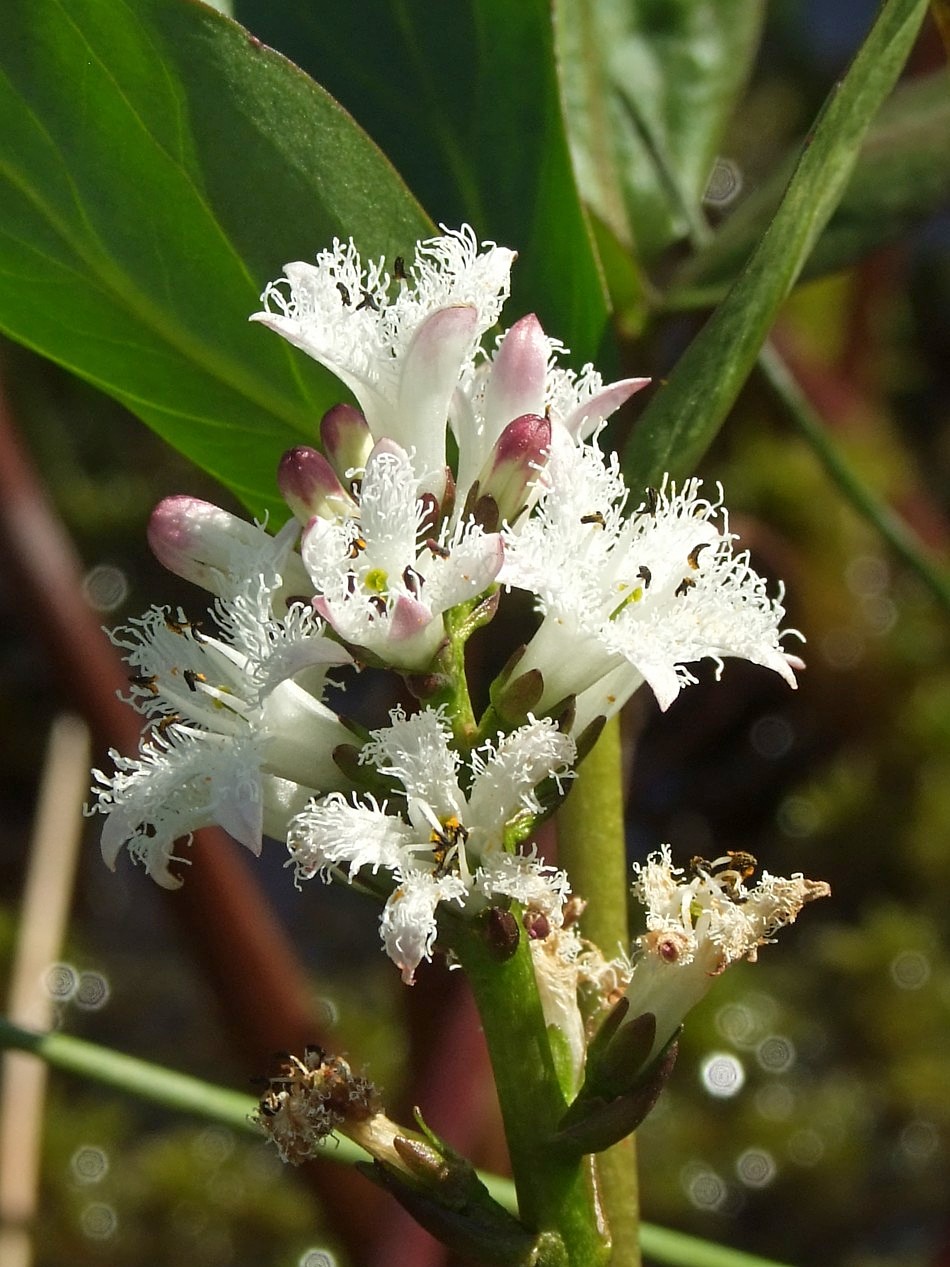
(465, 469)
(701, 921)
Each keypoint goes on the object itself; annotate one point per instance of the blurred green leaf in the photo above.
(649, 88)
(901, 176)
(157, 168)
(464, 100)
(688, 410)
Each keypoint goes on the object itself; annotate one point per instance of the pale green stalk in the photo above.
(185, 1094)
(592, 849)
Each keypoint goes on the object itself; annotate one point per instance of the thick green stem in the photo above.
(555, 1196)
(592, 849)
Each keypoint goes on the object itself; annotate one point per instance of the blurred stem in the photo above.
(675, 1249)
(901, 538)
(592, 849)
(555, 1196)
(190, 1095)
(137, 1077)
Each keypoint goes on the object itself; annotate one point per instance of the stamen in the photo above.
(693, 558)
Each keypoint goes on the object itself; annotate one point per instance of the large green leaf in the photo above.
(157, 168)
(902, 175)
(686, 412)
(464, 99)
(649, 86)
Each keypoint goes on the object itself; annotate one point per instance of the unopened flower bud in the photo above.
(346, 439)
(209, 546)
(519, 372)
(309, 486)
(514, 464)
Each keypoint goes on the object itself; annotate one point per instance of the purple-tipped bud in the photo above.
(309, 486)
(346, 439)
(514, 464)
(518, 375)
(192, 537)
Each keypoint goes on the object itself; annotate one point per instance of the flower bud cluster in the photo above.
(463, 470)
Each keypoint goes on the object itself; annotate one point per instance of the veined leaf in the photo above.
(157, 168)
(649, 88)
(464, 99)
(687, 411)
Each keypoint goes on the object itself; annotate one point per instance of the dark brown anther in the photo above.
(357, 546)
(344, 294)
(176, 626)
(501, 933)
(536, 925)
(693, 557)
(653, 500)
(399, 269)
(413, 580)
(446, 842)
(163, 725)
(377, 601)
(192, 679)
(744, 863)
(645, 575)
(685, 585)
(595, 517)
(145, 683)
(367, 302)
(440, 552)
(430, 510)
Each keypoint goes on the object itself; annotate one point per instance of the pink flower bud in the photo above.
(346, 439)
(309, 486)
(515, 461)
(518, 375)
(192, 537)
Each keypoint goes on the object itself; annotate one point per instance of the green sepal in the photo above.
(449, 1200)
(606, 1122)
(516, 699)
(620, 1088)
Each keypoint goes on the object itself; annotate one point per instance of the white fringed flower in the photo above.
(700, 923)
(644, 596)
(448, 843)
(241, 738)
(383, 581)
(400, 343)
